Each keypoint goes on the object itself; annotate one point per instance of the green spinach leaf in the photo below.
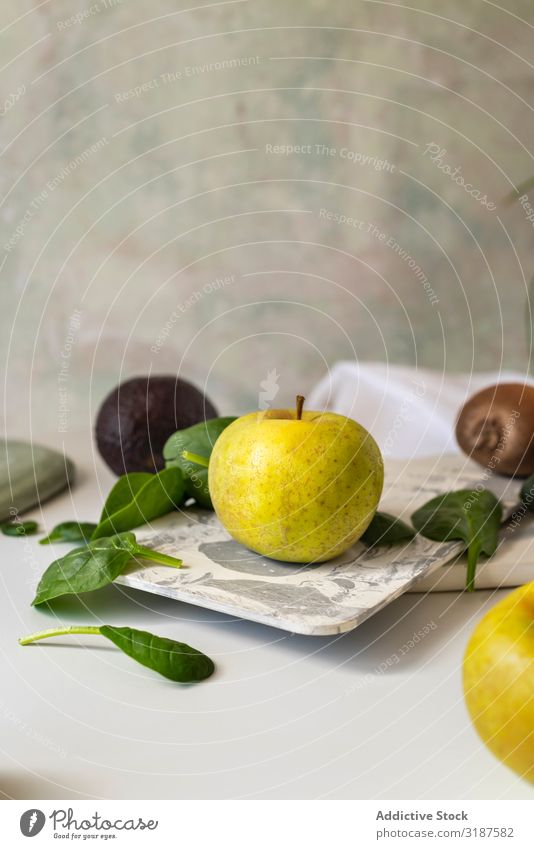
(93, 566)
(198, 439)
(19, 529)
(124, 491)
(174, 660)
(472, 516)
(386, 529)
(138, 498)
(70, 532)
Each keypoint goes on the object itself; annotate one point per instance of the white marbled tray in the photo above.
(330, 598)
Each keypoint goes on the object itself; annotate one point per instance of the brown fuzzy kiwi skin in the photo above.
(138, 416)
(496, 429)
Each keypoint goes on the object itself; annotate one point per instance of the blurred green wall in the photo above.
(254, 185)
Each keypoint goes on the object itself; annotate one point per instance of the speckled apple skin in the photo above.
(498, 674)
(297, 490)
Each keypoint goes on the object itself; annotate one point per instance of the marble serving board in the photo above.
(329, 598)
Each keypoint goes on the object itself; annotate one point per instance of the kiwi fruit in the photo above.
(496, 428)
(138, 416)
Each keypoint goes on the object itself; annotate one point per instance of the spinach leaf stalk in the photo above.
(158, 556)
(198, 459)
(58, 632)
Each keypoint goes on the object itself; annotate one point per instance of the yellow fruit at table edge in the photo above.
(498, 680)
(296, 486)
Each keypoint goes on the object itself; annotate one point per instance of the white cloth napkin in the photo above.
(411, 412)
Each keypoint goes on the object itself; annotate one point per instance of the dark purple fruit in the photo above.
(138, 416)
(496, 428)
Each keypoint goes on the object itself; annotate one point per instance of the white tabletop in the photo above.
(353, 716)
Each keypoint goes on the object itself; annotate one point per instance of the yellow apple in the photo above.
(498, 674)
(296, 486)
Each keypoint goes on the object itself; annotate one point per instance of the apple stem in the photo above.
(300, 404)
